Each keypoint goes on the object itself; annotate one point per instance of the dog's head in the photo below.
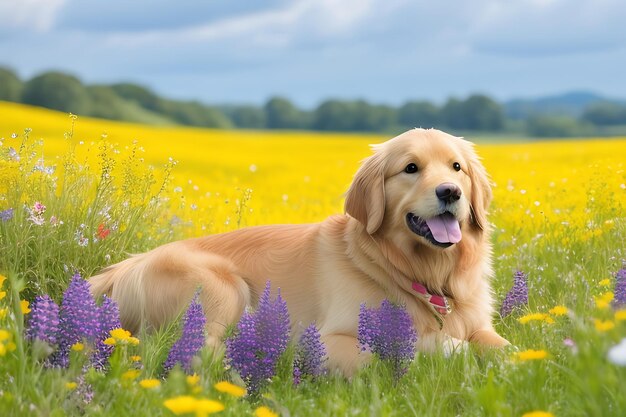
(424, 186)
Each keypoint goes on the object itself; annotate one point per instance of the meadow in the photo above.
(77, 194)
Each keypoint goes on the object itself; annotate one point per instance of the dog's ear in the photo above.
(481, 188)
(365, 200)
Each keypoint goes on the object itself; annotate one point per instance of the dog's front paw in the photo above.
(452, 345)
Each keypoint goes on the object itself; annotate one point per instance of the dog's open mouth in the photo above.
(443, 230)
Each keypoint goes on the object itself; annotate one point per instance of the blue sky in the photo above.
(385, 51)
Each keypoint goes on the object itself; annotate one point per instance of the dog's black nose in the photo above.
(448, 192)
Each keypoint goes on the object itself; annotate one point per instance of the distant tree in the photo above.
(605, 114)
(334, 115)
(105, 103)
(373, 118)
(10, 85)
(557, 126)
(249, 117)
(58, 91)
(477, 112)
(280, 113)
(419, 114)
(145, 97)
(196, 114)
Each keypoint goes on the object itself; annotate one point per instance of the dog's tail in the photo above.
(123, 282)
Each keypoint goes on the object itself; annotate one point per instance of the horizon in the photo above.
(385, 52)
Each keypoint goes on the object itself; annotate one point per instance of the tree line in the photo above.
(135, 103)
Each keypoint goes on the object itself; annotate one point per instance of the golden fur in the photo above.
(326, 270)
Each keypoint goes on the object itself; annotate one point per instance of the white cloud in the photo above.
(39, 15)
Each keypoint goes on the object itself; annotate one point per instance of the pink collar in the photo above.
(438, 303)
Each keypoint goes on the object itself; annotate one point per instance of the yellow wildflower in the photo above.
(182, 404)
(536, 317)
(531, 354)
(3, 349)
(120, 334)
(2, 294)
(3, 312)
(604, 300)
(193, 379)
(205, 407)
(109, 341)
(149, 383)
(2, 278)
(4, 335)
(24, 305)
(558, 311)
(605, 282)
(232, 389)
(135, 358)
(71, 385)
(78, 347)
(538, 414)
(620, 315)
(131, 374)
(603, 325)
(187, 404)
(264, 412)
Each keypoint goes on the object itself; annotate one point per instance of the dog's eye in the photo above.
(411, 168)
(456, 166)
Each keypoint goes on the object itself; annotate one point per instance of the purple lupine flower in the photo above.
(620, 288)
(388, 332)
(43, 323)
(310, 355)
(517, 295)
(78, 319)
(260, 340)
(6, 215)
(192, 339)
(109, 318)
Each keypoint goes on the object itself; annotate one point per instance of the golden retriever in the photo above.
(415, 227)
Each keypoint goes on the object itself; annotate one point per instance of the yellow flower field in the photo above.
(561, 190)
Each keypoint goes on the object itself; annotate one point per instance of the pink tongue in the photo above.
(445, 228)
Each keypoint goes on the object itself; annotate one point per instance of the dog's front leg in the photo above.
(344, 353)
(488, 338)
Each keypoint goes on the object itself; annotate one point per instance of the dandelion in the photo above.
(71, 385)
(538, 414)
(44, 320)
(131, 374)
(517, 295)
(604, 300)
(150, 383)
(230, 389)
(620, 288)
(192, 339)
(185, 404)
(558, 311)
(260, 340)
(620, 315)
(264, 412)
(603, 325)
(135, 358)
(389, 333)
(78, 347)
(6, 215)
(530, 355)
(605, 282)
(6, 342)
(24, 306)
(536, 317)
(310, 353)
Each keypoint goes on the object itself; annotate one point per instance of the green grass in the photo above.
(576, 381)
